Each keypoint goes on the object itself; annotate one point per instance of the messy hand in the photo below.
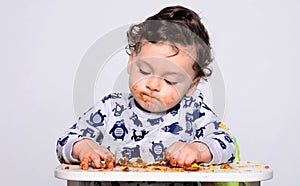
(87, 151)
(185, 154)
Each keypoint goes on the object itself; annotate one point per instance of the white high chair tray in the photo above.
(240, 172)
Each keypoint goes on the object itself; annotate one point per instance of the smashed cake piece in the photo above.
(194, 167)
(123, 162)
(226, 166)
(138, 163)
(125, 169)
(125, 165)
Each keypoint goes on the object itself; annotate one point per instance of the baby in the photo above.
(164, 117)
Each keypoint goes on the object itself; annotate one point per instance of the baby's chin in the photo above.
(153, 107)
(156, 110)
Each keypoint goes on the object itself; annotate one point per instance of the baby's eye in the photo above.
(170, 82)
(144, 72)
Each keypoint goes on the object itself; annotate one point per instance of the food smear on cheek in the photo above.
(135, 90)
(170, 99)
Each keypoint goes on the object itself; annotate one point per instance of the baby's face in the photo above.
(158, 79)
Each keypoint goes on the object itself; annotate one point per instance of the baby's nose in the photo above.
(154, 83)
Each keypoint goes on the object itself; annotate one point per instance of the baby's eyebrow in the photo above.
(172, 73)
(141, 62)
(175, 74)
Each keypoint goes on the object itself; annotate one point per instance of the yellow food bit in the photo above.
(195, 165)
(211, 166)
(125, 169)
(223, 126)
(226, 166)
(163, 168)
(61, 160)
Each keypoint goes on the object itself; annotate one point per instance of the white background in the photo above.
(42, 44)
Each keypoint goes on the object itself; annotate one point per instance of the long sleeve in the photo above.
(65, 144)
(220, 143)
(86, 127)
(215, 135)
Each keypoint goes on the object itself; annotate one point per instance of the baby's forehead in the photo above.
(167, 50)
(162, 58)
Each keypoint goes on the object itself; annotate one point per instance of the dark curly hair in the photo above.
(178, 26)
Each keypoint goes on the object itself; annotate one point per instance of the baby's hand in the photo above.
(87, 151)
(185, 154)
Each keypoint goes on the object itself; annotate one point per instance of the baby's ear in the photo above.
(129, 63)
(193, 87)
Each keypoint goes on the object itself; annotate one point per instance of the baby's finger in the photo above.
(109, 159)
(97, 161)
(170, 152)
(85, 164)
(167, 155)
(106, 155)
(181, 158)
(173, 162)
(189, 160)
(110, 164)
(173, 159)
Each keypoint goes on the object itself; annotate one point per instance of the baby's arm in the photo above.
(79, 144)
(212, 144)
(72, 147)
(87, 151)
(214, 147)
(220, 143)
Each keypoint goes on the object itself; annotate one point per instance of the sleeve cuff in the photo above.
(67, 151)
(216, 159)
(219, 155)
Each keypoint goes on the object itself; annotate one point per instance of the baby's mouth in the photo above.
(145, 97)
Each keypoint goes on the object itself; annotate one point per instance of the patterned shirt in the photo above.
(119, 124)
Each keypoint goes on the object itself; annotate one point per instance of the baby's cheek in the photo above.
(171, 99)
(134, 88)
